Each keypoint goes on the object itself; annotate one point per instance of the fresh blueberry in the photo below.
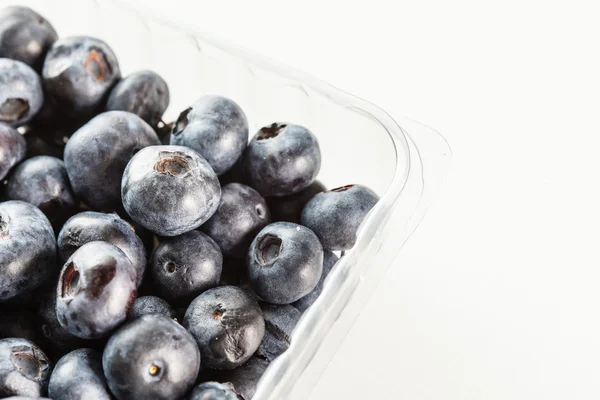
(25, 36)
(216, 127)
(169, 190)
(245, 378)
(91, 226)
(184, 266)
(19, 323)
(79, 73)
(78, 376)
(280, 321)
(285, 262)
(24, 368)
(27, 249)
(12, 148)
(334, 216)
(242, 213)
(43, 182)
(151, 357)
(96, 155)
(227, 324)
(96, 290)
(151, 305)
(143, 93)
(214, 391)
(21, 96)
(329, 260)
(59, 340)
(282, 159)
(289, 208)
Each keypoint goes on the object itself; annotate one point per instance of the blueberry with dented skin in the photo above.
(151, 305)
(282, 159)
(285, 262)
(27, 249)
(21, 97)
(334, 216)
(96, 290)
(170, 190)
(24, 368)
(79, 73)
(216, 127)
(96, 155)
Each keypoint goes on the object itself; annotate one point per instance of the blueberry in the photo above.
(91, 226)
(151, 305)
(242, 213)
(78, 376)
(79, 73)
(282, 159)
(285, 262)
(280, 321)
(227, 324)
(214, 391)
(143, 93)
(43, 182)
(151, 357)
(96, 155)
(25, 36)
(96, 290)
(21, 96)
(60, 341)
(289, 208)
(245, 378)
(27, 249)
(24, 368)
(335, 215)
(19, 323)
(26, 398)
(184, 266)
(12, 148)
(216, 127)
(170, 190)
(329, 260)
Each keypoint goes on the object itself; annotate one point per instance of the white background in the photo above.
(497, 294)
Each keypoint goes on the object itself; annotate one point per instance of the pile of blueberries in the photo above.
(148, 260)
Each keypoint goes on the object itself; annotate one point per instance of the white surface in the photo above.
(496, 296)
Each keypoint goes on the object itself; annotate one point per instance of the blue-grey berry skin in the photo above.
(245, 378)
(97, 154)
(12, 148)
(27, 249)
(79, 73)
(144, 93)
(151, 357)
(58, 339)
(285, 262)
(78, 376)
(329, 260)
(96, 290)
(216, 127)
(92, 226)
(280, 321)
(282, 159)
(334, 216)
(184, 266)
(227, 324)
(170, 190)
(43, 182)
(26, 398)
(25, 36)
(214, 391)
(242, 213)
(24, 368)
(151, 305)
(21, 96)
(289, 208)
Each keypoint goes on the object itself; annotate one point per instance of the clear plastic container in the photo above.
(403, 161)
